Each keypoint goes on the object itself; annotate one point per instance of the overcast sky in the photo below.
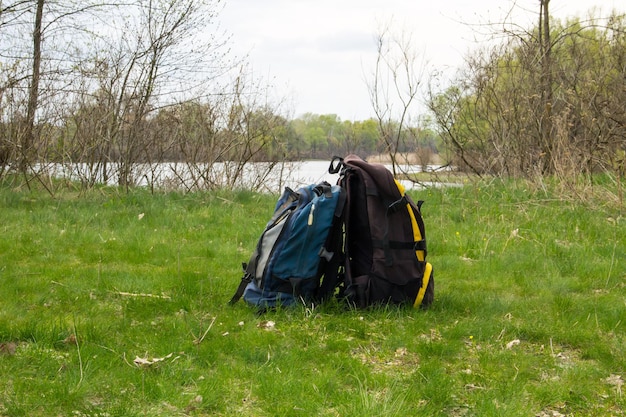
(318, 54)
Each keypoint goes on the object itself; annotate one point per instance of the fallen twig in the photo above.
(198, 341)
(132, 294)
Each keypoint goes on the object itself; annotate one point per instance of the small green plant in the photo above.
(116, 305)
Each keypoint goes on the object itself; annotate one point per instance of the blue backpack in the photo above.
(297, 256)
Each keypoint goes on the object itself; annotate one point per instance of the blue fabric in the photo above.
(301, 253)
(266, 299)
(292, 269)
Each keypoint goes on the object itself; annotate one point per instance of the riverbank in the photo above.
(409, 158)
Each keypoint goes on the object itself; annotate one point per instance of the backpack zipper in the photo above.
(310, 221)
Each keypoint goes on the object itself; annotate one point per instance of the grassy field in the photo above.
(115, 304)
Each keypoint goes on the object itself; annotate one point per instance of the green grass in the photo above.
(528, 318)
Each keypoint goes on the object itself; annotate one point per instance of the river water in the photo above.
(262, 177)
(308, 172)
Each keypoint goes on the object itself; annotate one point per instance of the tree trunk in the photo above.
(546, 139)
(29, 132)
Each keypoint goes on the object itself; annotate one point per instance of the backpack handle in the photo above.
(335, 165)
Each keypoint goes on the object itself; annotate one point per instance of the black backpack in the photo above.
(384, 238)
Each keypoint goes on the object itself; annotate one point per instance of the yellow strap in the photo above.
(417, 236)
(420, 294)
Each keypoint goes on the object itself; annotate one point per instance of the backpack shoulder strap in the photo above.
(245, 280)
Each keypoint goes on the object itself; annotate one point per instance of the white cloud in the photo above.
(318, 51)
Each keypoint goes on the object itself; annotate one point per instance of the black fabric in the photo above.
(381, 261)
(245, 280)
